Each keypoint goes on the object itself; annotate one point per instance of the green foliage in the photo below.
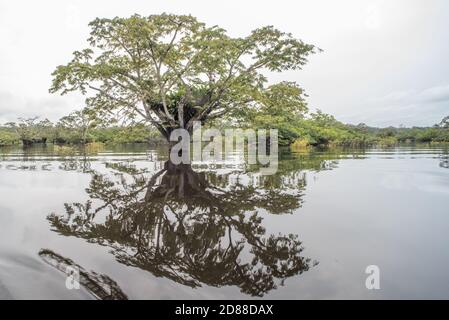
(112, 134)
(270, 115)
(320, 129)
(127, 134)
(172, 70)
(296, 126)
(7, 137)
(31, 131)
(325, 130)
(76, 126)
(324, 120)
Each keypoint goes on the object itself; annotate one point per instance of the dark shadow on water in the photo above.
(99, 285)
(195, 228)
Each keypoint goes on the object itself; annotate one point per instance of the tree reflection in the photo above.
(195, 228)
(444, 159)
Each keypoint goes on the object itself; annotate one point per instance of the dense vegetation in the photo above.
(322, 129)
(299, 127)
(314, 129)
(68, 131)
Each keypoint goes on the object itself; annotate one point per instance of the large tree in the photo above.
(172, 70)
(79, 123)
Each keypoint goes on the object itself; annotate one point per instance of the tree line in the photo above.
(79, 127)
(311, 129)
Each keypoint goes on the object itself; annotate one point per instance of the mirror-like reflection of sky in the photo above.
(143, 229)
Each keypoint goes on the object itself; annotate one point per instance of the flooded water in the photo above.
(128, 224)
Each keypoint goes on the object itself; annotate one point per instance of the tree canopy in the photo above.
(172, 70)
(81, 121)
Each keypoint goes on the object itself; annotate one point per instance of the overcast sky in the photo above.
(384, 62)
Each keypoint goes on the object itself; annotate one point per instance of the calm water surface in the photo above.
(137, 227)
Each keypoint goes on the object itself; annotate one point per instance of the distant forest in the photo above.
(317, 129)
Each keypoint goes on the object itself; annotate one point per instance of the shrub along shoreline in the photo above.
(320, 130)
(71, 136)
(363, 136)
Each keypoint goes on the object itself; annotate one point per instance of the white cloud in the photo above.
(410, 107)
(52, 107)
(435, 94)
